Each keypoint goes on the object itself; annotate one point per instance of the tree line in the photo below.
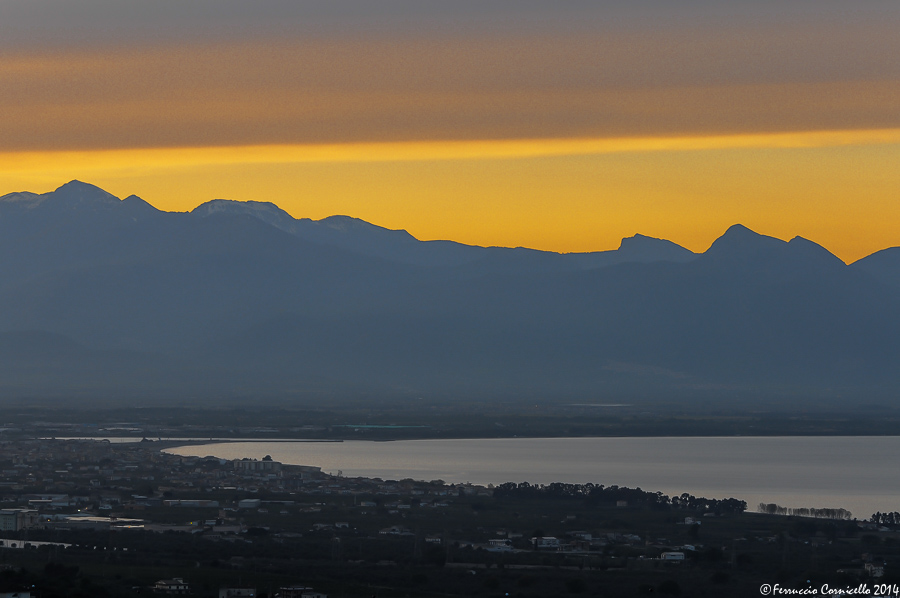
(773, 509)
(886, 518)
(598, 494)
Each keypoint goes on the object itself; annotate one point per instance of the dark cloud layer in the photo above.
(103, 73)
(84, 21)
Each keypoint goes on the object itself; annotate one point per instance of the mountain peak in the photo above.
(634, 239)
(137, 204)
(76, 192)
(740, 245)
(739, 231)
(76, 184)
(20, 197)
(233, 206)
(737, 227)
(641, 248)
(812, 250)
(264, 211)
(739, 240)
(73, 194)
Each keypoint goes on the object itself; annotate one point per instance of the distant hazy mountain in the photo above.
(361, 237)
(101, 297)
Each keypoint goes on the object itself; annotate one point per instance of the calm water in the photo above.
(856, 473)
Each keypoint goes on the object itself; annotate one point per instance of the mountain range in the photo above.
(102, 297)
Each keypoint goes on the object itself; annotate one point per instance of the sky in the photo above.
(562, 126)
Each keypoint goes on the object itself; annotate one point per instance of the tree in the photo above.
(670, 587)
(694, 531)
(576, 586)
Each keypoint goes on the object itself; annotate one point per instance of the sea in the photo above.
(857, 473)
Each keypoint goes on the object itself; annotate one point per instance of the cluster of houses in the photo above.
(100, 485)
(178, 586)
(85, 484)
(48, 475)
(574, 542)
(73, 471)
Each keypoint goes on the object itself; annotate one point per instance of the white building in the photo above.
(12, 520)
(176, 585)
(671, 556)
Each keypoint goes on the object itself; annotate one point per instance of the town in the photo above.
(87, 517)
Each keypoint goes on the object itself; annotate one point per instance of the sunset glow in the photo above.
(562, 130)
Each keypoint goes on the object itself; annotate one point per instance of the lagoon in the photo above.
(858, 473)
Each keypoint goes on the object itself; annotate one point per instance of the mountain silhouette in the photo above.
(883, 265)
(104, 297)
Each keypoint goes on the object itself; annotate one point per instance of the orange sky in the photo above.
(564, 137)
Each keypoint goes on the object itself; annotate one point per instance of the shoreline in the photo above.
(631, 461)
(196, 441)
(167, 443)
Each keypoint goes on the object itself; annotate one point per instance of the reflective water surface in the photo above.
(856, 473)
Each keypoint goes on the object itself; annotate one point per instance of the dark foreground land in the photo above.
(132, 516)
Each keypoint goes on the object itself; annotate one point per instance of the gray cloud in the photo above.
(72, 21)
(104, 73)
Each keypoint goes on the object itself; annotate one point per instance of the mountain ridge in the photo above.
(235, 298)
(637, 246)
